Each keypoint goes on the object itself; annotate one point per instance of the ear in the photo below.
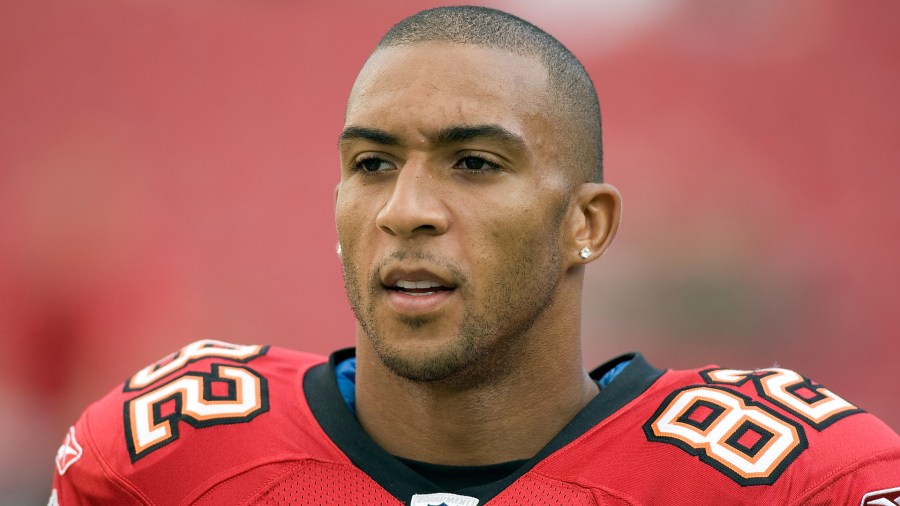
(596, 211)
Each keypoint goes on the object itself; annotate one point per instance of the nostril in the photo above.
(413, 207)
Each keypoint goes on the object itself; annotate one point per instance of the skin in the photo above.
(452, 172)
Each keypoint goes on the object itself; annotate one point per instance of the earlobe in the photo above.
(598, 209)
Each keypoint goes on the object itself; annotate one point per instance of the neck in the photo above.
(511, 416)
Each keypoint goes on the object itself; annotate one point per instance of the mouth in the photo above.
(418, 288)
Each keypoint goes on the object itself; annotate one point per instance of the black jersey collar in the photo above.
(340, 424)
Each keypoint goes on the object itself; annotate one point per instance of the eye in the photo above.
(371, 165)
(476, 164)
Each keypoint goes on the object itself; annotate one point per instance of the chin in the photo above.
(425, 360)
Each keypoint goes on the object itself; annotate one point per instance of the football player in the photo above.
(471, 199)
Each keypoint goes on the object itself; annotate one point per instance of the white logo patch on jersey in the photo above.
(443, 499)
(888, 497)
(68, 453)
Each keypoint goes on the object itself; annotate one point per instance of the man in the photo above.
(470, 202)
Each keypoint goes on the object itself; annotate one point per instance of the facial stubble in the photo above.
(490, 331)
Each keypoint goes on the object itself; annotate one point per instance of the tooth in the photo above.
(406, 285)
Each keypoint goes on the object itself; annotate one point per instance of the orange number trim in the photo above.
(147, 429)
(206, 348)
(746, 441)
(817, 406)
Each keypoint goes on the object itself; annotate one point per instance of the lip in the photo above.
(417, 305)
(392, 275)
(420, 303)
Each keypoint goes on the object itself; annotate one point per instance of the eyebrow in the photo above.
(448, 135)
(374, 135)
(465, 133)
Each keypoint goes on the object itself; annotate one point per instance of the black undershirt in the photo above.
(454, 478)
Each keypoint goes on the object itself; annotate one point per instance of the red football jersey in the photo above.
(218, 424)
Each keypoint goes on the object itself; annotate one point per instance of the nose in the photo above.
(415, 206)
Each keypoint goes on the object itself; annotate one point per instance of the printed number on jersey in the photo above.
(750, 442)
(229, 393)
(814, 404)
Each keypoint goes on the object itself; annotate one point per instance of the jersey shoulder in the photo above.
(211, 410)
(728, 436)
(773, 431)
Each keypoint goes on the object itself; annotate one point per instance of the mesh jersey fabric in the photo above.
(226, 424)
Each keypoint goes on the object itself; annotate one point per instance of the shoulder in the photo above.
(714, 435)
(192, 358)
(773, 427)
(204, 384)
(193, 409)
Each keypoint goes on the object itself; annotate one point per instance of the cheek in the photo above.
(349, 218)
(510, 243)
(526, 236)
(348, 231)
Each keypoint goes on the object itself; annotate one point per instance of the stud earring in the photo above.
(585, 252)
(338, 249)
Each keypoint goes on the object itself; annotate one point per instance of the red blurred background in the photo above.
(167, 172)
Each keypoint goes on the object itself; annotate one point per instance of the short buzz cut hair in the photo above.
(572, 90)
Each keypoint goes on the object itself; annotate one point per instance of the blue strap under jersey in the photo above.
(611, 374)
(346, 379)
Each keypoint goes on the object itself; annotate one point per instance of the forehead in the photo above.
(428, 86)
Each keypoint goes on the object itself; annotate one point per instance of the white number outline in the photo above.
(206, 348)
(775, 385)
(146, 430)
(710, 443)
